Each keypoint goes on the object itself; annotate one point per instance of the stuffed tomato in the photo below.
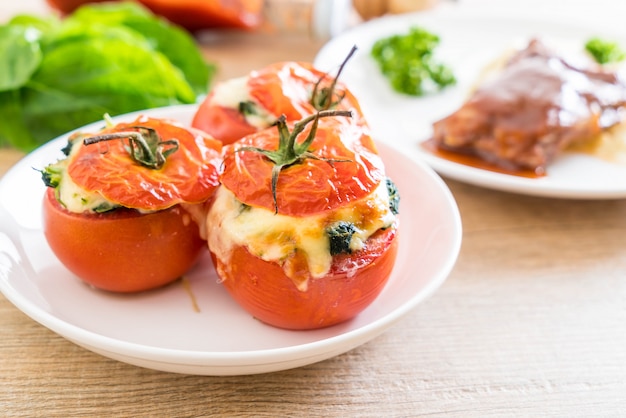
(303, 228)
(118, 210)
(241, 106)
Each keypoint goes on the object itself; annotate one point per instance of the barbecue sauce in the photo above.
(477, 162)
(538, 106)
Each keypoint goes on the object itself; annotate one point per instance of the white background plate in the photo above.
(468, 43)
(161, 330)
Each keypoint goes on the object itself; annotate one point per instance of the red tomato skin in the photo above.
(193, 15)
(190, 175)
(314, 185)
(283, 88)
(263, 289)
(226, 124)
(122, 251)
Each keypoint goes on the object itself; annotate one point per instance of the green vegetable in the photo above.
(52, 175)
(340, 235)
(57, 75)
(408, 62)
(290, 152)
(22, 43)
(248, 107)
(604, 51)
(394, 196)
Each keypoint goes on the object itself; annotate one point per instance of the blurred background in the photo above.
(329, 17)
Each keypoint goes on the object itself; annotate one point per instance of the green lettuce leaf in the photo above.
(172, 41)
(106, 58)
(19, 47)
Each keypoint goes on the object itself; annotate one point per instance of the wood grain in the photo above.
(531, 322)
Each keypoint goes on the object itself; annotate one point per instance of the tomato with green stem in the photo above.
(118, 209)
(303, 229)
(295, 90)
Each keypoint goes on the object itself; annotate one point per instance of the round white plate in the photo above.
(468, 43)
(162, 330)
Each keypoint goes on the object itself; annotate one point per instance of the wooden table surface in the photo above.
(531, 322)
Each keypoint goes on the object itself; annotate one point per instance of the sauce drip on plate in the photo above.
(536, 107)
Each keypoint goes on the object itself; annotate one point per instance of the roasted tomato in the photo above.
(241, 106)
(117, 212)
(267, 293)
(123, 250)
(303, 228)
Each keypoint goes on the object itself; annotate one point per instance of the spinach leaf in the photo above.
(394, 196)
(605, 51)
(339, 236)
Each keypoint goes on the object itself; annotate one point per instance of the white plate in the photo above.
(161, 330)
(468, 43)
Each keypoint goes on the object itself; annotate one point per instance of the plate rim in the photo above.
(229, 361)
(539, 187)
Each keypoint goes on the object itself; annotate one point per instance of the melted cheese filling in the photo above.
(78, 200)
(73, 197)
(231, 92)
(275, 237)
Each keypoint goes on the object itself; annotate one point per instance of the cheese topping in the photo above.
(275, 237)
(78, 200)
(232, 92)
(73, 197)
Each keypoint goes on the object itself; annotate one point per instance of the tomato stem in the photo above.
(144, 146)
(289, 151)
(322, 99)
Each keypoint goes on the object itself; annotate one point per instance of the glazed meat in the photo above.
(535, 107)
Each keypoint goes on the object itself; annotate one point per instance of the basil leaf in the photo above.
(13, 130)
(175, 43)
(69, 90)
(21, 55)
(59, 74)
(41, 23)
